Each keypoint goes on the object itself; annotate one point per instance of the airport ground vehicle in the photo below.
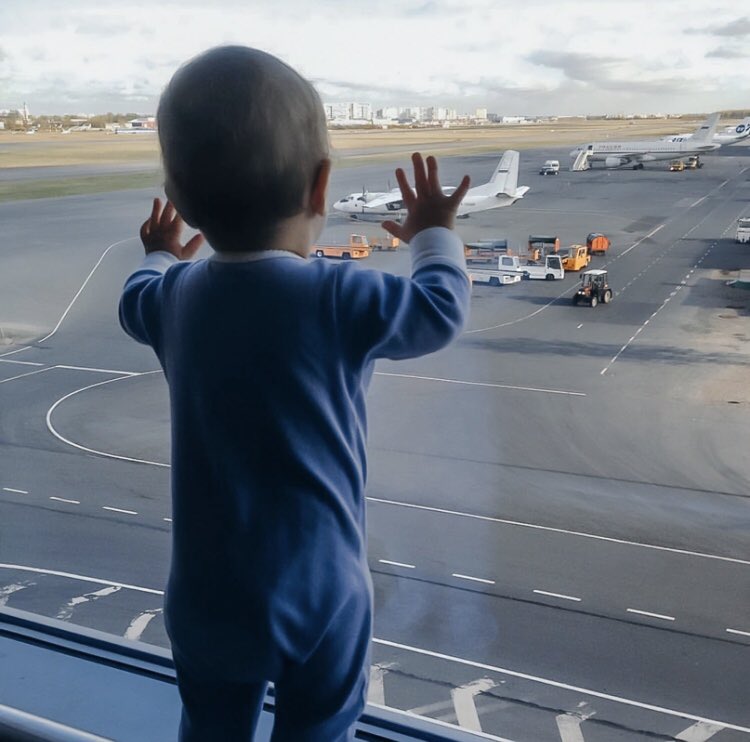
(576, 258)
(597, 243)
(693, 162)
(357, 248)
(542, 245)
(508, 270)
(594, 288)
(485, 251)
(388, 243)
(676, 166)
(743, 229)
(550, 167)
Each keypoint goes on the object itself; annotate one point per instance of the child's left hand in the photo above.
(162, 230)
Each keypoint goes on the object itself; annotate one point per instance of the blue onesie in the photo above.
(268, 358)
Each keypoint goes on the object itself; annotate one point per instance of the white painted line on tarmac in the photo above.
(83, 286)
(397, 564)
(15, 491)
(579, 326)
(525, 317)
(105, 454)
(635, 244)
(558, 595)
(552, 529)
(63, 499)
(139, 623)
(472, 579)
(22, 363)
(17, 350)
(651, 615)
(569, 727)
(102, 370)
(67, 610)
(738, 632)
(695, 203)
(482, 384)
(119, 510)
(699, 732)
(7, 590)
(558, 684)
(451, 728)
(463, 703)
(376, 689)
(167, 520)
(28, 373)
(82, 578)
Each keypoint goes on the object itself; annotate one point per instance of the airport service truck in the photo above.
(357, 248)
(743, 229)
(511, 268)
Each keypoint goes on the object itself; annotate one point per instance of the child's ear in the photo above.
(319, 190)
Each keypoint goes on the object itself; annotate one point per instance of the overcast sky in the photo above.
(512, 56)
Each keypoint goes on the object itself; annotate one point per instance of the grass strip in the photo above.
(20, 190)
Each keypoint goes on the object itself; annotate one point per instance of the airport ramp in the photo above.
(581, 162)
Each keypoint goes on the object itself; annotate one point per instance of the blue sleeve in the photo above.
(140, 303)
(385, 316)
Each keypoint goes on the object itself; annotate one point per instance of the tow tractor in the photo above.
(594, 288)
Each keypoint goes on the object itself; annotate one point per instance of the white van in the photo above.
(550, 167)
(743, 229)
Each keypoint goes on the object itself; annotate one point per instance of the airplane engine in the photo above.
(613, 161)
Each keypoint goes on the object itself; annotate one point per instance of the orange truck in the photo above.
(597, 243)
(357, 248)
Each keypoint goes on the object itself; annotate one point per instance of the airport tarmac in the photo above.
(558, 503)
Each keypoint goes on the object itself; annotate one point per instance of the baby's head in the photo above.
(244, 143)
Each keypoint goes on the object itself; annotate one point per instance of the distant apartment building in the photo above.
(481, 114)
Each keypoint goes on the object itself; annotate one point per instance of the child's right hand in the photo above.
(429, 207)
(162, 232)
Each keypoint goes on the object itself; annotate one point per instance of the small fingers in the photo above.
(406, 192)
(192, 246)
(458, 195)
(394, 228)
(166, 215)
(420, 177)
(432, 175)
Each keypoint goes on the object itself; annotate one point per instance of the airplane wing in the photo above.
(505, 178)
(393, 198)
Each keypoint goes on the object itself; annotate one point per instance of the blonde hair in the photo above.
(242, 136)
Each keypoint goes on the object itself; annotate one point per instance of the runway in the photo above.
(558, 503)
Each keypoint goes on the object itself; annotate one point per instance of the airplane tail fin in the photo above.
(743, 128)
(705, 132)
(505, 177)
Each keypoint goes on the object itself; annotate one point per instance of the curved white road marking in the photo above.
(106, 454)
(72, 301)
(67, 610)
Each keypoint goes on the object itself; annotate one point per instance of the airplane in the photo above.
(501, 190)
(634, 154)
(730, 135)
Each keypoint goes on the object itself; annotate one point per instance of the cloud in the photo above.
(723, 52)
(737, 27)
(613, 74)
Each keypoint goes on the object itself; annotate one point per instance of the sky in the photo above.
(533, 57)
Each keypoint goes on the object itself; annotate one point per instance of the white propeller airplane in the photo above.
(635, 153)
(730, 135)
(501, 190)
